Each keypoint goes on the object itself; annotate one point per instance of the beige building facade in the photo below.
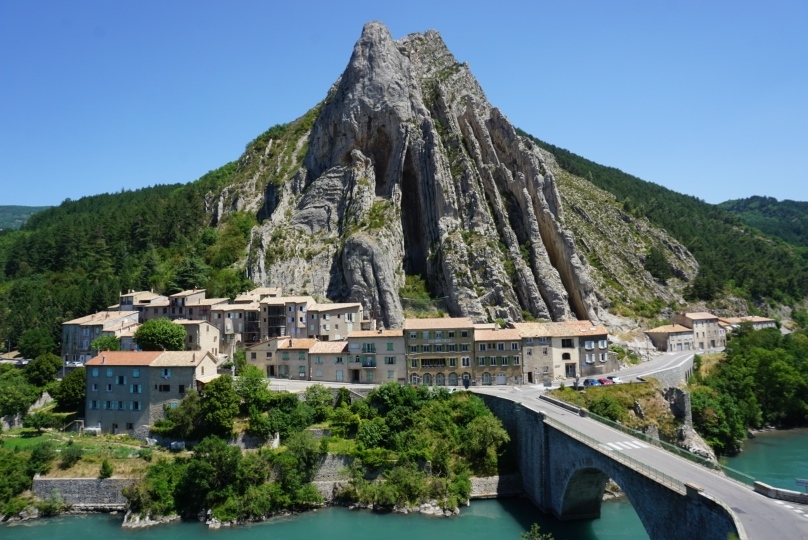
(671, 338)
(440, 351)
(498, 356)
(707, 332)
(377, 356)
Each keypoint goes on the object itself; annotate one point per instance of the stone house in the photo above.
(757, 323)
(200, 336)
(497, 356)
(377, 356)
(671, 338)
(257, 294)
(329, 361)
(237, 324)
(282, 357)
(707, 332)
(285, 316)
(439, 350)
(328, 322)
(78, 334)
(137, 300)
(565, 350)
(127, 391)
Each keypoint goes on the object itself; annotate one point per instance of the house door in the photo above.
(530, 377)
(569, 370)
(339, 375)
(501, 378)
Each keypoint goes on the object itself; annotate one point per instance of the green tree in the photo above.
(220, 406)
(106, 469)
(14, 478)
(70, 393)
(71, 454)
(106, 343)
(252, 388)
(42, 455)
(16, 393)
(39, 420)
(160, 334)
(35, 342)
(43, 369)
(657, 265)
(306, 450)
(190, 274)
(535, 534)
(321, 400)
(484, 437)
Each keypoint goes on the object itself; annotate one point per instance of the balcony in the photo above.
(369, 363)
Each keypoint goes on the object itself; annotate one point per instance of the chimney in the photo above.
(193, 358)
(103, 359)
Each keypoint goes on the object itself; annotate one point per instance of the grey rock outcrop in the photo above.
(407, 169)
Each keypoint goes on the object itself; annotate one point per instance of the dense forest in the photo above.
(784, 219)
(731, 256)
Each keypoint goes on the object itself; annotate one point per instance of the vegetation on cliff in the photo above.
(731, 256)
(784, 219)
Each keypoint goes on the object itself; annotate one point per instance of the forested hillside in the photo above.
(13, 217)
(784, 219)
(732, 257)
(75, 259)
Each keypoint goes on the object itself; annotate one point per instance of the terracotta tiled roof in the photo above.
(289, 343)
(124, 358)
(748, 318)
(182, 294)
(438, 323)
(504, 334)
(179, 359)
(102, 317)
(700, 315)
(252, 306)
(559, 329)
(376, 333)
(329, 347)
(332, 307)
(210, 302)
(669, 329)
(280, 300)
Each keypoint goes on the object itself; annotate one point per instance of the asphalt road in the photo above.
(760, 516)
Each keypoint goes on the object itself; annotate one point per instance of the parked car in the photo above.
(615, 380)
(605, 382)
(591, 382)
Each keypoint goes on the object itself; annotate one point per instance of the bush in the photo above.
(106, 469)
(41, 457)
(71, 455)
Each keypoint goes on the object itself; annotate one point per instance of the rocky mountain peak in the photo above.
(408, 170)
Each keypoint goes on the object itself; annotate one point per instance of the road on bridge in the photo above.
(761, 517)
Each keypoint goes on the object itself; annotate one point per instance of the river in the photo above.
(776, 458)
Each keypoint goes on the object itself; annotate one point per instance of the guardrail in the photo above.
(731, 473)
(620, 457)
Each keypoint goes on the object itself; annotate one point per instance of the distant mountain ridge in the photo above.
(785, 219)
(14, 217)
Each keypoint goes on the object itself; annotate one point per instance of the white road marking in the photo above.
(632, 444)
(623, 445)
(779, 502)
(614, 446)
(789, 507)
(643, 445)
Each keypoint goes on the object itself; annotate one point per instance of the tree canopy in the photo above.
(160, 335)
(106, 343)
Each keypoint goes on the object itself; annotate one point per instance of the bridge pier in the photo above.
(566, 476)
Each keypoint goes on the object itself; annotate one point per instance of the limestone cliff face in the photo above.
(407, 169)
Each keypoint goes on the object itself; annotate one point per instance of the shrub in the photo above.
(71, 455)
(41, 457)
(106, 470)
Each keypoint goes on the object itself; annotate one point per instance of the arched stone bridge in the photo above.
(566, 460)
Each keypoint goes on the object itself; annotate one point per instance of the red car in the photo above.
(605, 381)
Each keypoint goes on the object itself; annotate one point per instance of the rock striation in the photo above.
(407, 169)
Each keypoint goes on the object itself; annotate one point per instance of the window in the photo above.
(414, 363)
(120, 379)
(130, 426)
(505, 361)
(318, 359)
(413, 348)
(464, 347)
(269, 355)
(285, 355)
(602, 344)
(339, 360)
(481, 360)
(181, 389)
(253, 356)
(121, 406)
(514, 345)
(390, 375)
(439, 348)
(109, 372)
(544, 351)
(452, 347)
(368, 375)
(301, 372)
(438, 335)
(500, 346)
(136, 373)
(482, 347)
(94, 404)
(389, 345)
(464, 333)
(566, 343)
(452, 362)
(135, 405)
(589, 345)
(389, 360)
(465, 361)
(109, 388)
(426, 348)
(166, 373)
(301, 355)
(515, 360)
(135, 388)
(95, 387)
(164, 388)
(95, 372)
(529, 351)
(425, 335)
(450, 334)
(494, 360)
(413, 335)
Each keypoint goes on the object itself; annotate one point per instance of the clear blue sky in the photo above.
(707, 98)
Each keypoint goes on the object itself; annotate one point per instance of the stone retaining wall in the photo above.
(84, 491)
(674, 376)
(781, 494)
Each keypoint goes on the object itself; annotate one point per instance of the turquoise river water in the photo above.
(776, 458)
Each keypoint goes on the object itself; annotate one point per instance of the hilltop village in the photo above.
(294, 337)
